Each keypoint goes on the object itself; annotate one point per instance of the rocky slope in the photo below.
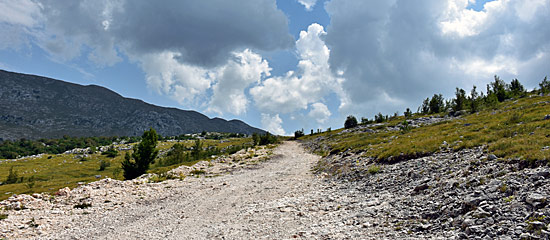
(36, 107)
(465, 194)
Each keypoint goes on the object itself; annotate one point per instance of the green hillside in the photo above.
(516, 129)
(50, 172)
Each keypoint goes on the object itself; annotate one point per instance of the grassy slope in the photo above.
(514, 130)
(63, 170)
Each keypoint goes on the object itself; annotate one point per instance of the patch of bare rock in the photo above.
(458, 195)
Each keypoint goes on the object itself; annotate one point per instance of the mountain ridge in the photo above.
(36, 107)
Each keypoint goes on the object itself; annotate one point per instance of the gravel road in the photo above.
(224, 207)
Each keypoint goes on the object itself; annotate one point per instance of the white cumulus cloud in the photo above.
(308, 4)
(310, 83)
(273, 124)
(166, 75)
(407, 50)
(319, 112)
(233, 78)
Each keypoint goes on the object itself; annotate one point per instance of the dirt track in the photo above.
(206, 208)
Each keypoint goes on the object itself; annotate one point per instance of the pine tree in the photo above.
(459, 103)
(437, 104)
(545, 86)
(137, 163)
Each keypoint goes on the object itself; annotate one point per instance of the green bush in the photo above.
(12, 176)
(138, 162)
(255, 138)
(176, 155)
(267, 138)
(350, 122)
(111, 152)
(373, 169)
(379, 118)
(103, 165)
(298, 134)
(408, 113)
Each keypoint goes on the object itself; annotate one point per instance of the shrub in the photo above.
(514, 118)
(373, 169)
(103, 165)
(298, 134)
(350, 122)
(12, 176)
(30, 182)
(111, 152)
(255, 138)
(405, 127)
(408, 113)
(234, 148)
(177, 154)
(379, 118)
(365, 120)
(267, 138)
(138, 162)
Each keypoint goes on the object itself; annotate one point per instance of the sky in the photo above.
(280, 65)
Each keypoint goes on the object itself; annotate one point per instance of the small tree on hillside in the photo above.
(12, 176)
(437, 104)
(545, 86)
(379, 118)
(350, 122)
(298, 134)
(516, 89)
(498, 88)
(459, 103)
(425, 108)
(255, 138)
(474, 100)
(408, 113)
(137, 163)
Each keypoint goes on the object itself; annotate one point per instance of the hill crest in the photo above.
(36, 107)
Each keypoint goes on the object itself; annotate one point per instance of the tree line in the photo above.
(496, 92)
(26, 147)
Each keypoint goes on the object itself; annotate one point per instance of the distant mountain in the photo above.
(35, 107)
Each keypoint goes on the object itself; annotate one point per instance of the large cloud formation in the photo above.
(396, 52)
(375, 56)
(203, 33)
(310, 83)
(185, 47)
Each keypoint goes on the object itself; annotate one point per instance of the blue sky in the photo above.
(279, 65)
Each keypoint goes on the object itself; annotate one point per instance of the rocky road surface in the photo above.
(449, 195)
(251, 203)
